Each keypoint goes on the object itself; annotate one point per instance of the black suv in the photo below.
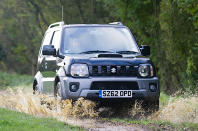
(95, 61)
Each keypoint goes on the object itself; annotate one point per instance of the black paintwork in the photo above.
(51, 63)
(92, 60)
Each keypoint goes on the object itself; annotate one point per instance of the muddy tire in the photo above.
(35, 87)
(59, 92)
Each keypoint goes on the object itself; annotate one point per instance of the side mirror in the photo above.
(145, 50)
(49, 50)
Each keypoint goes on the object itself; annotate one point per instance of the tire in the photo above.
(59, 91)
(36, 88)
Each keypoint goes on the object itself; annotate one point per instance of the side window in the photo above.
(46, 40)
(56, 39)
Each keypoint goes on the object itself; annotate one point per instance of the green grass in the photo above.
(13, 80)
(16, 121)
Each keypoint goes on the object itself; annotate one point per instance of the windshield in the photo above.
(97, 39)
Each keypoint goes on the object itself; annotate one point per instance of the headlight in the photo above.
(145, 70)
(79, 70)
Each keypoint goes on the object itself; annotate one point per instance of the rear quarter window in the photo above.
(46, 40)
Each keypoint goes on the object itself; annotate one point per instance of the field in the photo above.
(45, 113)
(12, 120)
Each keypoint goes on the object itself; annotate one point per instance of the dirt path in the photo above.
(101, 125)
(74, 112)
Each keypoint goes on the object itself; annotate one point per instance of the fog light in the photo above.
(74, 87)
(153, 88)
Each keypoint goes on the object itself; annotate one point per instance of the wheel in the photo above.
(35, 87)
(59, 92)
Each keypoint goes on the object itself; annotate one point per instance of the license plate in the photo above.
(115, 93)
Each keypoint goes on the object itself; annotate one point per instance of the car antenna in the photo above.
(62, 12)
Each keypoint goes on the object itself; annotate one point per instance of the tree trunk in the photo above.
(94, 13)
(79, 6)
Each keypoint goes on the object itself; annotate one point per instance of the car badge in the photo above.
(113, 70)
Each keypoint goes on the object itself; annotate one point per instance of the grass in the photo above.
(159, 124)
(13, 80)
(16, 121)
(164, 99)
(12, 120)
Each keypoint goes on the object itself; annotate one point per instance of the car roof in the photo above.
(63, 25)
(93, 25)
(84, 25)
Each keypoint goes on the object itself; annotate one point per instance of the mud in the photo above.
(86, 114)
(42, 105)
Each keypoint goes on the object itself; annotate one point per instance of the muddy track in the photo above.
(81, 113)
(103, 125)
(84, 113)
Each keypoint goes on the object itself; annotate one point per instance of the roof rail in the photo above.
(116, 23)
(56, 24)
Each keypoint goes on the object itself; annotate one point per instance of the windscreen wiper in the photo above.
(95, 51)
(127, 52)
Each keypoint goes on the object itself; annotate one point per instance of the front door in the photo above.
(50, 65)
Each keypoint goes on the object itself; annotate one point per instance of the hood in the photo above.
(106, 59)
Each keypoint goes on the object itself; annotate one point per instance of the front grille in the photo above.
(112, 85)
(111, 70)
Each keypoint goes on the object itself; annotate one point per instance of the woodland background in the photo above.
(170, 27)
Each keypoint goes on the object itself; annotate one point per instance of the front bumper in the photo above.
(85, 84)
